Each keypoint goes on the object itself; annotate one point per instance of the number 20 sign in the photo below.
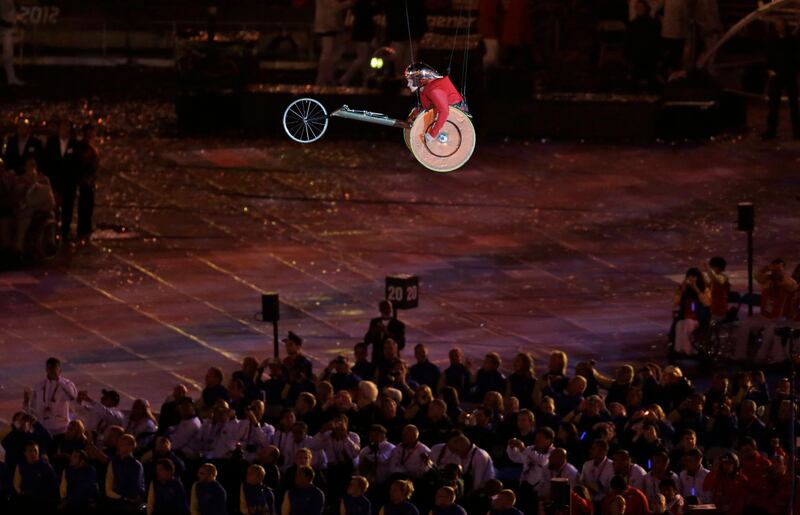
(403, 291)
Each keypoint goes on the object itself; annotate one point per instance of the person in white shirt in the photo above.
(632, 472)
(299, 439)
(658, 473)
(50, 400)
(475, 462)
(255, 435)
(98, 416)
(340, 445)
(142, 423)
(557, 468)
(282, 438)
(219, 435)
(373, 460)
(596, 473)
(534, 460)
(411, 458)
(185, 435)
(692, 476)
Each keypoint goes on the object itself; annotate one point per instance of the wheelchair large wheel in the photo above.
(41, 242)
(305, 120)
(451, 149)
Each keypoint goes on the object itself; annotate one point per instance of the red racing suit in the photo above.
(439, 94)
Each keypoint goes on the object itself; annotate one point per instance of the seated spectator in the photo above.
(750, 426)
(35, 482)
(423, 371)
(301, 440)
(689, 415)
(373, 459)
(341, 446)
(568, 438)
(410, 458)
(219, 436)
(445, 503)
(238, 397)
(417, 411)
(341, 376)
(687, 442)
(399, 499)
(522, 380)
(673, 500)
(366, 407)
(557, 468)
(125, 478)
(451, 397)
(389, 416)
(306, 410)
(503, 504)
(692, 302)
(556, 372)
(619, 387)
(254, 496)
(581, 501)
(355, 501)
(98, 416)
(568, 400)
(247, 375)
(753, 463)
(770, 492)
(479, 428)
(777, 287)
(213, 392)
(457, 375)
(692, 477)
(162, 450)
(597, 472)
(635, 501)
(726, 485)
(169, 415)
(207, 496)
(489, 378)
(268, 458)
(362, 367)
(185, 435)
(254, 435)
(79, 489)
(74, 439)
(303, 498)
(142, 424)
(166, 495)
(437, 424)
(303, 457)
(659, 472)
(633, 474)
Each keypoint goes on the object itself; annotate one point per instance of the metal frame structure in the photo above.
(770, 11)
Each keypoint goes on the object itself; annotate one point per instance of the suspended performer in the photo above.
(435, 90)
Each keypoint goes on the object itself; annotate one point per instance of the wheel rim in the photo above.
(305, 120)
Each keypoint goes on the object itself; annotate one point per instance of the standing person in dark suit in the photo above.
(382, 329)
(782, 64)
(22, 146)
(88, 164)
(62, 166)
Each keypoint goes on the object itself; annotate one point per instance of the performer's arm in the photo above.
(441, 108)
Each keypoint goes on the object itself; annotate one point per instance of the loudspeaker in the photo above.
(270, 307)
(747, 216)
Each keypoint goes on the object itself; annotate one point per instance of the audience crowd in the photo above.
(377, 433)
(40, 181)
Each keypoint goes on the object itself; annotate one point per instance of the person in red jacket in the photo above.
(770, 493)
(436, 91)
(635, 500)
(727, 485)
